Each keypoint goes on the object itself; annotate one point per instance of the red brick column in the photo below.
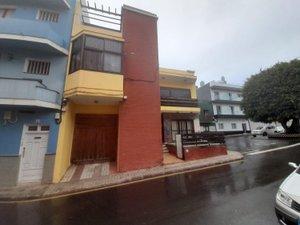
(139, 141)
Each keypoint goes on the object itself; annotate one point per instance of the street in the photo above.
(235, 194)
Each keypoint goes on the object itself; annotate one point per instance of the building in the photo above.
(112, 111)
(34, 44)
(224, 101)
(179, 106)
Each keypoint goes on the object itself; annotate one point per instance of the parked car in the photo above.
(279, 130)
(288, 198)
(263, 130)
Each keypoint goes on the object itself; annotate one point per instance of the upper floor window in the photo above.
(232, 109)
(230, 96)
(217, 95)
(97, 54)
(175, 93)
(233, 125)
(46, 15)
(219, 109)
(221, 126)
(6, 11)
(38, 67)
(206, 112)
(240, 95)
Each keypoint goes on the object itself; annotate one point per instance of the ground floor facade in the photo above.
(232, 125)
(28, 138)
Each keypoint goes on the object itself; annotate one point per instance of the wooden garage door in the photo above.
(95, 138)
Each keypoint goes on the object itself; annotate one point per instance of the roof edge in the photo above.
(140, 11)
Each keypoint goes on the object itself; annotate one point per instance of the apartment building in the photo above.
(225, 101)
(112, 111)
(179, 106)
(34, 46)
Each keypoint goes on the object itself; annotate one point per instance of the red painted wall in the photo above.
(139, 142)
(202, 152)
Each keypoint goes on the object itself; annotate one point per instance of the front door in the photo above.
(95, 138)
(33, 149)
(244, 127)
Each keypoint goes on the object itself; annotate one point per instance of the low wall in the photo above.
(199, 152)
(203, 152)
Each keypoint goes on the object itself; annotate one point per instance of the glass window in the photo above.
(175, 93)
(113, 46)
(112, 62)
(164, 93)
(92, 60)
(232, 110)
(233, 125)
(94, 43)
(221, 126)
(219, 109)
(217, 95)
(5, 12)
(97, 54)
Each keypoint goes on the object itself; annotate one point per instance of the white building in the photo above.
(225, 100)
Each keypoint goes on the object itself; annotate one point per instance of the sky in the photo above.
(230, 38)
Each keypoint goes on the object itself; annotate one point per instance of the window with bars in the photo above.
(96, 54)
(39, 67)
(50, 16)
(6, 12)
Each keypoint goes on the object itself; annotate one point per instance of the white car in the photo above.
(279, 130)
(288, 198)
(264, 131)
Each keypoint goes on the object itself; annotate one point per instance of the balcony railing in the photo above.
(179, 102)
(27, 89)
(32, 28)
(53, 4)
(241, 116)
(227, 101)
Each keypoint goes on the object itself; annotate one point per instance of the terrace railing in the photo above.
(203, 138)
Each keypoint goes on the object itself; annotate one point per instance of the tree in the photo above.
(274, 95)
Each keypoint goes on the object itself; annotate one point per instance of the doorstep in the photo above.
(65, 188)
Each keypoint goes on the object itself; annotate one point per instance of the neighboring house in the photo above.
(34, 44)
(112, 90)
(179, 107)
(225, 100)
(207, 121)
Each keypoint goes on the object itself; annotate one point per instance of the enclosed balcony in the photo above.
(31, 34)
(27, 92)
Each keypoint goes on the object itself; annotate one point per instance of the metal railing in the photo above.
(203, 138)
(100, 17)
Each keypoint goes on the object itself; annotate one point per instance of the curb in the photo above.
(46, 192)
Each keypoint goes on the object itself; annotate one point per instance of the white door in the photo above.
(33, 149)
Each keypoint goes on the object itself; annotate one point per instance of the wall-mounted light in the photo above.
(58, 115)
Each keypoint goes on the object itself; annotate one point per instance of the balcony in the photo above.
(52, 4)
(229, 116)
(179, 102)
(31, 34)
(90, 87)
(27, 92)
(227, 101)
(209, 118)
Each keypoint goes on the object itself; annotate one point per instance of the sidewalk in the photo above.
(60, 189)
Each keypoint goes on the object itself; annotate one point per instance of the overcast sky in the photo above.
(231, 38)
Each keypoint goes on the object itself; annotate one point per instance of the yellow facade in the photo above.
(172, 78)
(88, 92)
(91, 85)
(66, 131)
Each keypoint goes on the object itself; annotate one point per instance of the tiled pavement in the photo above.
(77, 186)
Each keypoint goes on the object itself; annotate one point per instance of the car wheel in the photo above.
(265, 134)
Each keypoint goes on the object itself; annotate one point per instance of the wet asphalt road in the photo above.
(235, 194)
(245, 143)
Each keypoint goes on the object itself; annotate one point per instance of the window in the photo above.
(232, 110)
(217, 95)
(181, 127)
(6, 12)
(175, 93)
(221, 126)
(219, 109)
(97, 54)
(49, 16)
(45, 128)
(39, 67)
(233, 125)
(206, 112)
(32, 128)
(230, 96)
(239, 95)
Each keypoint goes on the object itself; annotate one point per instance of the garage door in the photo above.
(95, 138)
